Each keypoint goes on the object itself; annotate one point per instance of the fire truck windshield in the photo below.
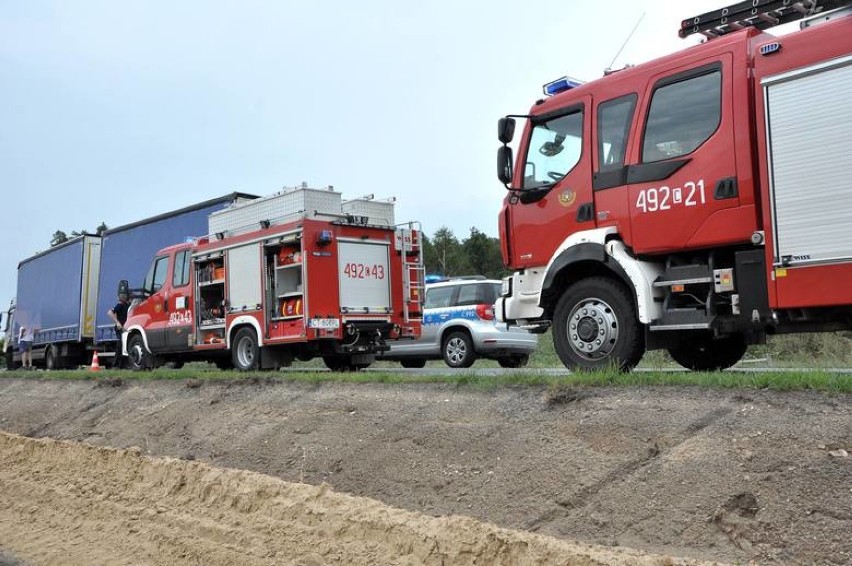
(554, 149)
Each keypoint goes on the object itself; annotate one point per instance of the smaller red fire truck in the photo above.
(330, 284)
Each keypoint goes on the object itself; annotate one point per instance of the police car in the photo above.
(459, 327)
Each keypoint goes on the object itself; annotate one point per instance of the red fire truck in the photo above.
(694, 203)
(333, 285)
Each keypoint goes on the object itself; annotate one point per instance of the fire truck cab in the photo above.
(694, 203)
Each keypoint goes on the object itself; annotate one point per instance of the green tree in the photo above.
(447, 256)
(483, 254)
(102, 227)
(59, 237)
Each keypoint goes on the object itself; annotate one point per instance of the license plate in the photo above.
(326, 323)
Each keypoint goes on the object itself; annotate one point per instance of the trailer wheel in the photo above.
(516, 361)
(595, 326)
(52, 359)
(457, 349)
(245, 353)
(700, 352)
(415, 363)
(138, 356)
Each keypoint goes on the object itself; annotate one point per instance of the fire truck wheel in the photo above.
(595, 326)
(137, 355)
(700, 352)
(245, 354)
(516, 361)
(415, 363)
(457, 349)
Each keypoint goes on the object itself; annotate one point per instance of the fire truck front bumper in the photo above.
(518, 303)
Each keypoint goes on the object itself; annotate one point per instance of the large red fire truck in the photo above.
(310, 283)
(694, 203)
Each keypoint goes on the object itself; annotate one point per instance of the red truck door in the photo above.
(179, 304)
(155, 305)
(683, 190)
(556, 194)
(168, 307)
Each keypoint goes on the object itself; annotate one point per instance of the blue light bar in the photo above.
(770, 48)
(560, 85)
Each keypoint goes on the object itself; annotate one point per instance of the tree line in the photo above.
(478, 254)
(60, 236)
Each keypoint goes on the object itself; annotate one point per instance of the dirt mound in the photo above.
(66, 502)
(733, 476)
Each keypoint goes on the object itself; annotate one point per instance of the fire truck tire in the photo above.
(516, 361)
(595, 326)
(700, 352)
(138, 356)
(245, 353)
(413, 363)
(457, 349)
(223, 364)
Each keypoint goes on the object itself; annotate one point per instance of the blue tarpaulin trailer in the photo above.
(65, 292)
(128, 250)
(56, 296)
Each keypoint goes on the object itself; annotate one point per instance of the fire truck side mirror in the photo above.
(504, 164)
(505, 129)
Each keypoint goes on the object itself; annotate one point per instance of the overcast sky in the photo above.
(117, 111)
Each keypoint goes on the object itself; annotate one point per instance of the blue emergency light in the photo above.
(560, 85)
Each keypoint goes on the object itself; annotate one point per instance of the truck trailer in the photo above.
(694, 203)
(66, 291)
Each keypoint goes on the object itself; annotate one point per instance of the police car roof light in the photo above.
(560, 85)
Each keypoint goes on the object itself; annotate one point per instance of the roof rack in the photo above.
(760, 14)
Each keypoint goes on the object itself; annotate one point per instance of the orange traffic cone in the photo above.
(95, 365)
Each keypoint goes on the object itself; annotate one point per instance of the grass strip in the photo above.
(817, 380)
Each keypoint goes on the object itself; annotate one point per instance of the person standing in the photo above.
(118, 314)
(25, 345)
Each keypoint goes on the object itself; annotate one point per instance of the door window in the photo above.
(181, 274)
(683, 115)
(555, 148)
(157, 274)
(438, 297)
(614, 118)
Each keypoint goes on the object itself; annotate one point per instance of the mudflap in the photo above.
(274, 357)
(362, 359)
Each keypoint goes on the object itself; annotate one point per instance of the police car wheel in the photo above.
(458, 350)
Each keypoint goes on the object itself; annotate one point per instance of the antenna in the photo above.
(623, 45)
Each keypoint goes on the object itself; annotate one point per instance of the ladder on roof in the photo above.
(408, 244)
(760, 14)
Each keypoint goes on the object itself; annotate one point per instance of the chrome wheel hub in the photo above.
(592, 329)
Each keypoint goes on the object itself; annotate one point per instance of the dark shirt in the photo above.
(120, 311)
